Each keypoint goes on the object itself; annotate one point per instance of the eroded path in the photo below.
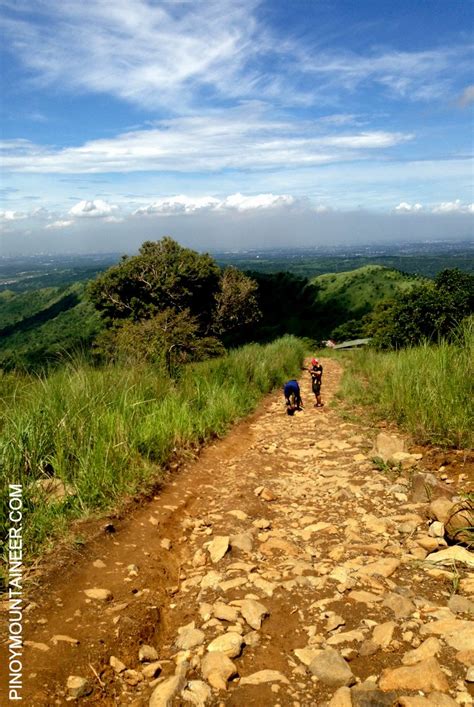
(281, 568)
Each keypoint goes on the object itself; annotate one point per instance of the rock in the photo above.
(470, 674)
(146, 654)
(401, 606)
(306, 655)
(165, 544)
(262, 524)
(386, 445)
(253, 612)
(240, 515)
(151, 670)
(425, 675)
(341, 698)
(265, 493)
(440, 509)
(211, 580)
(189, 637)
(428, 649)
(462, 640)
(224, 612)
(164, 693)
(132, 677)
(59, 638)
(426, 487)
(331, 668)
(218, 547)
(242, 541)
(99, 564)
(460, 523)
(334, 622)
(217, 669)
(51, 490)
(230, 644)
(116, 664)
(263, 676)
(77, 687)
(368, 695)
(384, 567)
(37, 646)
(438, 699)
(364, 597)
(461, 605)
(197, 692)
(382, 634)
(436, 529)
(450, 554)
(279, 545)
(99, 594)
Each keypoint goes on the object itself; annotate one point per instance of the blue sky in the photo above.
(123, 119)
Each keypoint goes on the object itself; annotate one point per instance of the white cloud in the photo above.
(449, 207)
(11, 215)
(234, 202)
(92, 209)
(58, 225)
(179, 54)
(243, 139)
(404, 207)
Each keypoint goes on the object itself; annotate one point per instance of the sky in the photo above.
(234, 124)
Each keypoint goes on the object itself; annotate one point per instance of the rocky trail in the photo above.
(281, 568)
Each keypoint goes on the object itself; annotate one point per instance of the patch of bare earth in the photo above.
(313, 569)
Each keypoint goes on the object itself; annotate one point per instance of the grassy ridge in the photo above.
(427, 390)
(357, 292)
(108, 431)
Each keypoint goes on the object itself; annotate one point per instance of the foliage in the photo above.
(431, 311)
(169, 339)
(427, 389)
(111, 430)
(163, 275)
(236, 303)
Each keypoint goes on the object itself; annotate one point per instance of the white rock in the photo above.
(217, 668)
(197, 693)
(163, 695)
(264, 676)
(252, 611)
(218, 547)
(230, 644)
(77, 687)
(99, 594)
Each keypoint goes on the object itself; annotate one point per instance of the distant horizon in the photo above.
(463, 244)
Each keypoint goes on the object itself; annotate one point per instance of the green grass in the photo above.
(110, 431)
(427, 390)
(358, 291)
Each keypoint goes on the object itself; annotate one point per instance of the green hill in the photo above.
(348, 296)
(35, 327)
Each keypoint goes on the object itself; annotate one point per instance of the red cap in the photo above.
(314, 361)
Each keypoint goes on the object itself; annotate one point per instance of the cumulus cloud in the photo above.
(97, 208)
(450, 207)
(234, 202)
(58, 225)
(405, 207)
(9, 215)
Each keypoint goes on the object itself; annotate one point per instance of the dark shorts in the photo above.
(316, 387)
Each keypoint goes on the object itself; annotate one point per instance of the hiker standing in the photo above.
(316, 372)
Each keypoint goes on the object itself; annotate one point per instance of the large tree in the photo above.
(164, 275)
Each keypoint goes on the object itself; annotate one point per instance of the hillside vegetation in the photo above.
(108, 431)
(427, 390)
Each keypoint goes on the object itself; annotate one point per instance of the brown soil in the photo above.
(156, 597)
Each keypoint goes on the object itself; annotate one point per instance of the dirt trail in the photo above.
(318, 578)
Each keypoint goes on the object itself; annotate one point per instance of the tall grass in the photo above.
(427, 390)
(108, 431)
